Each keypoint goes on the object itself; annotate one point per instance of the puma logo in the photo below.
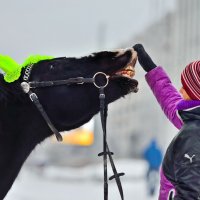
(190, 158)
(171, 194)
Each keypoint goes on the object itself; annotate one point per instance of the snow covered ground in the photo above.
(55, 183)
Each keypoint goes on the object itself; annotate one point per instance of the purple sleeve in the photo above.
(165, 93)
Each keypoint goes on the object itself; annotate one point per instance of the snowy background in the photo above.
(54, 183)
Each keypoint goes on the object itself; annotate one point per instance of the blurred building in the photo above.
(173, 40)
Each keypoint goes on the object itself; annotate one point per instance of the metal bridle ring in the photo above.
(100, 73)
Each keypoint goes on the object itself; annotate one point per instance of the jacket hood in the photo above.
(189, 110)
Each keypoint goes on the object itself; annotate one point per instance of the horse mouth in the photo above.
(129, 70)
(126, 74)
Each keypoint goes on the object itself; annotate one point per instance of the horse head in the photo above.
(69, 106)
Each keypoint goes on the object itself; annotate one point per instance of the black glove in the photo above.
(143, 58)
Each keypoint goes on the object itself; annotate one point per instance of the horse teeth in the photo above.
(128, 74)
(128, 71)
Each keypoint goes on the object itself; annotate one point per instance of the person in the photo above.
(180, 171)
(153, 156)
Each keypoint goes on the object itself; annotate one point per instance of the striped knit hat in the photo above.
(190, 79)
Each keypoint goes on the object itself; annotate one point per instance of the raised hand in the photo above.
(143, 58)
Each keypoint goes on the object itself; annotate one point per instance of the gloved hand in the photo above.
(143, 58)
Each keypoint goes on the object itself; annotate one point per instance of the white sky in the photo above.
(73, 27)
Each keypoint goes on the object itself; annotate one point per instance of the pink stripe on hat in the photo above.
(190, 79)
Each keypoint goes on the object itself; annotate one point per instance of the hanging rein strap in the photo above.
(26, 86)
(106, 151)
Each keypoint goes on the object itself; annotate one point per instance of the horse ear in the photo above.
(11, 68)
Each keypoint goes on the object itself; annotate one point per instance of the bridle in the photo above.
(27, 87)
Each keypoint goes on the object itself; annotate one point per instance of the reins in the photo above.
(27, 86)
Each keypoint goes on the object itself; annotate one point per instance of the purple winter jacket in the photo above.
(168, 98)
(178, 166)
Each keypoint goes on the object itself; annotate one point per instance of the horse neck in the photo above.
(20, 132)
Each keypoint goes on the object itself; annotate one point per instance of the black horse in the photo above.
(68, 106)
